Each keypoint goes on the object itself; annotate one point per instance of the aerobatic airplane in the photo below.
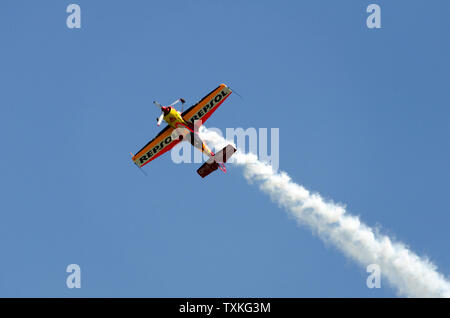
(184, 127)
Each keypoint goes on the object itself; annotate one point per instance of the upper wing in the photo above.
(160, 144)
(205, 107)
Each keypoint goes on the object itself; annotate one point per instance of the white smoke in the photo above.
(412, 275)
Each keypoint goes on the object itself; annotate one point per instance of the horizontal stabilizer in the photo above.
(213, 163)
(207, 168)
(225, 154)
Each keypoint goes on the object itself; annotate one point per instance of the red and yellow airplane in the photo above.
(184, 126)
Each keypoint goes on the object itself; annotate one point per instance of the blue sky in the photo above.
(363, 118)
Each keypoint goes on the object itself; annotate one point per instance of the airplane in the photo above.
(183, 126)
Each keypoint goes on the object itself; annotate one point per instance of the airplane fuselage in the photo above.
(175, 120)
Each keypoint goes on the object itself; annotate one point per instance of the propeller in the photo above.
(181, 100)
(160, 118)
(165, 110)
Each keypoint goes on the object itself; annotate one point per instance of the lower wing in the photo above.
(162, 143)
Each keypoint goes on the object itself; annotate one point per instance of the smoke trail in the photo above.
(412, 275)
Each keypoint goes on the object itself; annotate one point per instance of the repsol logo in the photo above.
(210, 105)
(157, 148)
